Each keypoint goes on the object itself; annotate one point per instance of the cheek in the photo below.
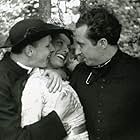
(89, 54)
(46, 52)
(43, 57)
(52, 59)
(84, 50)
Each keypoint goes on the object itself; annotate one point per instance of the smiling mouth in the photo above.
(61, 56)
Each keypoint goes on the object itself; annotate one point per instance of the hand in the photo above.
(2, 52)
(67, 128)
(55, 80)
(65, 105)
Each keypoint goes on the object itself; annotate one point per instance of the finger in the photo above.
(76, 105)
(62, 95)
(72, 98)
(50, 78)
(67, 127)
(74, 102)
(66, 97)
(55, 85)
(69, 92)
(45, 73)
(60, 86)
(50, 81)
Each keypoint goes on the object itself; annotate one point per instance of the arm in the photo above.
(10, 125)
(32, 100)
(50, 123)
(37, 102)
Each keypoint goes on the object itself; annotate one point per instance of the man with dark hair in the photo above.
(107, 81)
(30, 41)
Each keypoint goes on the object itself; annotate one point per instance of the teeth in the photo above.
(61, 56)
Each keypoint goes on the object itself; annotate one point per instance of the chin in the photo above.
(60, 65)
(43, 66)
(88, 63)
(57, 65)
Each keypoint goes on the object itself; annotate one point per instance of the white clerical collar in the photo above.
(25, 67)
(102, 65)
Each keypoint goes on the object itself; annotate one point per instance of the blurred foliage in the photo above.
(12, 11)
(128, 13)
(65, 12)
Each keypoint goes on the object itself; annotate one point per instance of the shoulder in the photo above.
(79, 72)
(35, 87)
(5, 75)
(130, 61)
(3, 67)
(80, 67)
(129, 66)
(36, 81)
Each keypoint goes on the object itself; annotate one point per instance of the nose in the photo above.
(65, 48)
(51, 48)
(77, 50)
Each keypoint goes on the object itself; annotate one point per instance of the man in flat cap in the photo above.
(30, 42)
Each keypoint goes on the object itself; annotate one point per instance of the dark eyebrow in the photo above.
(65, 41)
(80, 43)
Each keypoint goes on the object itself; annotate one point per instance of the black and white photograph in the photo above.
(69, 70)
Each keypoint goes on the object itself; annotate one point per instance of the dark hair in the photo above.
(68, 33)
(101, 24)
(18, 48)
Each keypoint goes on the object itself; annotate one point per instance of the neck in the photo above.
(110, 52)
(19, 58)
(113, 51)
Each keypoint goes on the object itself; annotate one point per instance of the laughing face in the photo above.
(61, 43)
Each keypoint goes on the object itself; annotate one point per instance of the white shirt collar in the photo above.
(25, 67)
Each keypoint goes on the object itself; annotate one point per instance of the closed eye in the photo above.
(59, 43)
(47, 46)
(81, 44)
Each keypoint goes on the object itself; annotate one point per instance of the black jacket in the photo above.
(111, 100)
(11, 78)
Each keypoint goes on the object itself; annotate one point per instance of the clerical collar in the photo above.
(102, 65)
(97, 67)
(25, 67)
(89, 78)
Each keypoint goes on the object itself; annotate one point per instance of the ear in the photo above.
(102, 43)
(29, 50)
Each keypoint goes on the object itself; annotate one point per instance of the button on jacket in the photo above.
(12, 78)
(111, 98)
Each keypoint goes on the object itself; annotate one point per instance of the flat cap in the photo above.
(30, 30)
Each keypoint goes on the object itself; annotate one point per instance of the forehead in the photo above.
(81, 33)
(62, 37)
(45, 40)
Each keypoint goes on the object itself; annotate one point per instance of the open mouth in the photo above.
(63, 57)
